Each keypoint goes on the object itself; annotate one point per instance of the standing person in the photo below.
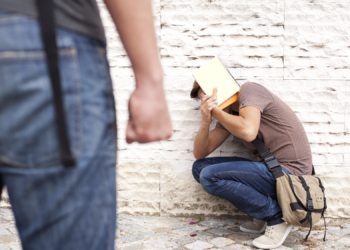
(249, 185)
(72, 208)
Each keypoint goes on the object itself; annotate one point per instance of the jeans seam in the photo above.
(78, 121)
(32, 54)
(237, 193)
(13, 19)
(102, 56)
(246, 172)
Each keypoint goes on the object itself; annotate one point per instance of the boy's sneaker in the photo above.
(274, 236)
(255, 226)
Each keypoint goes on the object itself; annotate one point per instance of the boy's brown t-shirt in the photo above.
(280, 129)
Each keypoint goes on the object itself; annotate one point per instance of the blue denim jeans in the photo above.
(248, 185)
(57, 207)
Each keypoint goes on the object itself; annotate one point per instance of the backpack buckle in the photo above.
(271, 163)
(310, 205)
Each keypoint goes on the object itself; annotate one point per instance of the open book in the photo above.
(215, 74)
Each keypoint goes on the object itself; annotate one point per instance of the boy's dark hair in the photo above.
(194, 91)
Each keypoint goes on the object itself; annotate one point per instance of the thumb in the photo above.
(215, 91)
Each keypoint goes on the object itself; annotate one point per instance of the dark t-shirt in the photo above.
(280, 129)
(78, 15)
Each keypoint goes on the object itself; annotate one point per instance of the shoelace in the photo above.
(269, 231)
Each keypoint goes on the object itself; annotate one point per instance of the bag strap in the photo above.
(48, 34)
(270, 161)
(324, 207)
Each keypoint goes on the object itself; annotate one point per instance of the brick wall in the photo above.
(299, 49)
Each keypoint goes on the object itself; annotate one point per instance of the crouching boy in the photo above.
(249, 185)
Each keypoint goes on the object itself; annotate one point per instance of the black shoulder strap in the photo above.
(48, 33)
(270, 161)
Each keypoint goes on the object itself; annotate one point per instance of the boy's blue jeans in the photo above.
(248, 185)
(57, 207)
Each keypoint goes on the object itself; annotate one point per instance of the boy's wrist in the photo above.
(216, 113)
(205, 125)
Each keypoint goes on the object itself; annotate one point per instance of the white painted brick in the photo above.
(231, 62)
(318, 8)
(316, 51)
(210, 50)
(321, 117)
(347, 158)
(327, 148)
(176, 40)
(332, 159)
(317, 40)
(300, 106)
(330, 138)
(239, 72)
(197, 2)
(324, 127)
(316, 61)
(138, 195)
(139, 207)
(317, 1)
(312, 73)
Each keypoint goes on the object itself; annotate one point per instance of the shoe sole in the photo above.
(253, 231)
(258, 245)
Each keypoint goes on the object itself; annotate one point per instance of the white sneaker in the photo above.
(255, 226)
(274, 236)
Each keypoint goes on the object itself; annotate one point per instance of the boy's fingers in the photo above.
(130, 133)
(212, 102)
(206, 97)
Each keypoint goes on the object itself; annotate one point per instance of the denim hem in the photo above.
(275, 222)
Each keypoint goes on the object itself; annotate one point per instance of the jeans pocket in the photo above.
(28, 130)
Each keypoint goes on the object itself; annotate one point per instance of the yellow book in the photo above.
(214, 74)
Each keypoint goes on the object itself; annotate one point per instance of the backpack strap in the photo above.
(324, 208)
(270, 161)
(48, 34)
(309, 203)
(310, 207)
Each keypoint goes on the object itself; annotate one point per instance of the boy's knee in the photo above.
(207, 180)
(196, 170)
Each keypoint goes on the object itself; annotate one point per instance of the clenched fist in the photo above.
(149, 118)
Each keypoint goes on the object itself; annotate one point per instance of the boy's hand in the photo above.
(209, 102)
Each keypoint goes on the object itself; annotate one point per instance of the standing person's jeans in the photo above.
(57, 207)
(248, 185)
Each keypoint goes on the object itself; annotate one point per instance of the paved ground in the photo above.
(143, 232)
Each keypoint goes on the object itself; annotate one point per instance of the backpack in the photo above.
(301, 198)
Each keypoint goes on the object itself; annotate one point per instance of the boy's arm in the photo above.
(149, 117)
(244, 126)
(205, 143)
